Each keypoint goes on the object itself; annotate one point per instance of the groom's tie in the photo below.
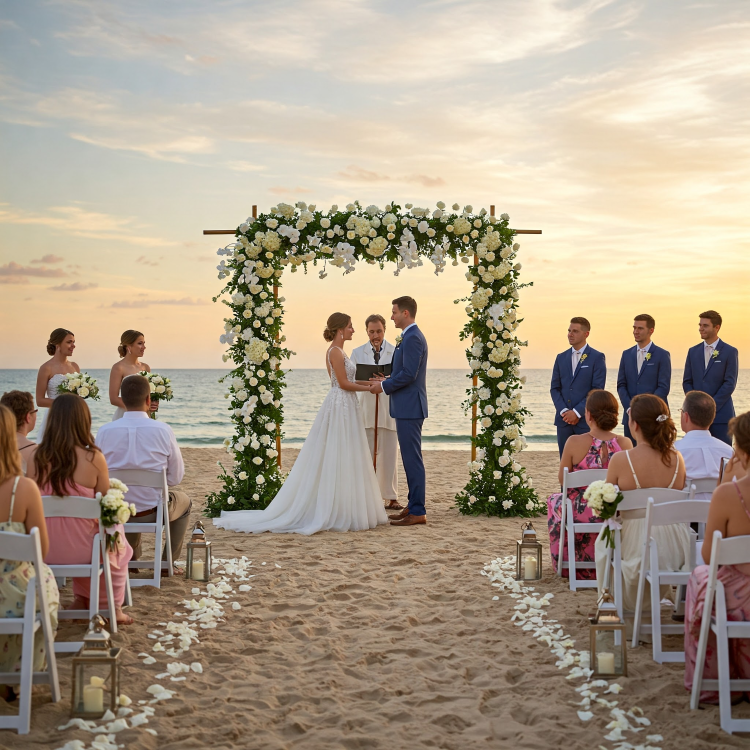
(376, 355)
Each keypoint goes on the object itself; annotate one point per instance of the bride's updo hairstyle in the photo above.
(56, 338)
(335, 323)
(602, 406)
(127, 339)
(651, 414)
(739, 429)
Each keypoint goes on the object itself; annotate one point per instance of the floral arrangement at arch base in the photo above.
(289, 237)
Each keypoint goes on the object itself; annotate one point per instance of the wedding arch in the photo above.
(268, 245)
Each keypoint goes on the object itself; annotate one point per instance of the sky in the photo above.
(620, 129)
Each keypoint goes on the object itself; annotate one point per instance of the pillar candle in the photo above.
(529, 568)
(199, 570)
(605, 663)
(93, 699)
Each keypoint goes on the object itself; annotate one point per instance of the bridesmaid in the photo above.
(60, 346)
(131, 349)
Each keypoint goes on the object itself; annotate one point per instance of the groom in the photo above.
(407, 388)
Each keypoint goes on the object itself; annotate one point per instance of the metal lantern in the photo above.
(198, 555)
(528, 555)
(96, 674)
(609, 657)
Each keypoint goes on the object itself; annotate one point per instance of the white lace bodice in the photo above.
(349, 366)
(52, 384)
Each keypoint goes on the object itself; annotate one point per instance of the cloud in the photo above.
(354, 173)
(76, 286)
(288, 191)
(13, 280)
(15, 269)
(184, 301)
(143, 260)
(49, 258)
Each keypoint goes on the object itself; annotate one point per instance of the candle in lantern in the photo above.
(93, 699)
(529, 568)
(199, 570)
(605, 663)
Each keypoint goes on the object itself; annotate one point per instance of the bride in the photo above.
(332, 485)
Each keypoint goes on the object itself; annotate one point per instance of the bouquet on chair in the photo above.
(80, 383)
(603, 499)
(161, 388)
(114, 510)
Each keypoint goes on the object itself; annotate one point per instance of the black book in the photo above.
(365, 372)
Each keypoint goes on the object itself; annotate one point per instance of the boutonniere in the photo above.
(399, 339)
(648, 356)
(584, 357)
(715, 353)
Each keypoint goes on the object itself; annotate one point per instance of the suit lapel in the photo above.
(580, 362)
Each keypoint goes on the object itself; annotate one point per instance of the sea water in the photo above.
(199, 417)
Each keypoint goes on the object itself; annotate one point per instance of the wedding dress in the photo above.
(332, 485)
(52, 393)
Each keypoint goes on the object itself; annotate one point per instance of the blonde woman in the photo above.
(131, 349)
(60, 347)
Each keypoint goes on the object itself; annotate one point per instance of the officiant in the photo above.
(378, 351)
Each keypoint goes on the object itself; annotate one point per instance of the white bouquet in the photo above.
(161, 388)
(80, 383)
(114, 509)
(603, 499)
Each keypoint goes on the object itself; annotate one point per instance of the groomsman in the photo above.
(378, 351)
(644, 368)
(712, 367)
(577, 371)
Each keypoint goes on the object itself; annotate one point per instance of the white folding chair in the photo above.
(702, 485)
(634, 502)
(72, 506)
(569, 528)
(26, 548)
(160, 528)
(682, 511)
(734, 551)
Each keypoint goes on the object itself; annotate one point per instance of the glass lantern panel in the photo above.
(609, 655)
(93, 680)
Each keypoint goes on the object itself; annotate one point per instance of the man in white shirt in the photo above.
(378, 351)
(138, 442)
(702, 452)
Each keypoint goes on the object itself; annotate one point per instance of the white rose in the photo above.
(257, 460)
(242, 475)
(260, 479)
(123, 514)
(83, 392)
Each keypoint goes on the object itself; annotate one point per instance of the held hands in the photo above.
(375, 385)
(570, 417)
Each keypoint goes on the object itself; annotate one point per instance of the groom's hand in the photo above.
(376, 387)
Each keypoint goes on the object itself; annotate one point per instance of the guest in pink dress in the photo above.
(730, 514)
(591, 450)
(67, 462)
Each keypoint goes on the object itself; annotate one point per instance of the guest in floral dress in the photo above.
(729, 513)
(21, 506)
(588, 451)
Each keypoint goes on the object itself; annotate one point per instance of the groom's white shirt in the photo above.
(364, 355)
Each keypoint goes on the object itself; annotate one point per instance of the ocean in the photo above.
(198, 413)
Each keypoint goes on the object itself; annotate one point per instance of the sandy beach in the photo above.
(380, 639)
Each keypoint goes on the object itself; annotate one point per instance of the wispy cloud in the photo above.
(143, 260)
(183, 301)
(49, 258)
(76, 286)
(15, 269)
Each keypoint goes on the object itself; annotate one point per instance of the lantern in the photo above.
(96, 674)
(608, 654)
(528, 555)
(198, 555)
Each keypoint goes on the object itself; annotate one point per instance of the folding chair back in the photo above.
(160, 528)
(701, 485)
(87, 508)
(569, 528)
(734, 551)
(27, 548)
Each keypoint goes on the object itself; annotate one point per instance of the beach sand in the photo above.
(379, 639)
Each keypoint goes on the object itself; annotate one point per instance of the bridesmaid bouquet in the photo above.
(114, 510)
(80, 383)
(603, 499)
(161, 388)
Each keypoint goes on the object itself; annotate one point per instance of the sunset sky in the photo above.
(621, 129)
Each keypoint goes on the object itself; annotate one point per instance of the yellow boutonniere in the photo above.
(648, 356)
(584, 357)
(715, 353)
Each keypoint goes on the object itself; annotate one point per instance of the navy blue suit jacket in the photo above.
(569, 390)
(407, 385)
(719, 379)
(654, 377)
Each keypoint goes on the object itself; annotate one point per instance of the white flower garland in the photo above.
(288, 237)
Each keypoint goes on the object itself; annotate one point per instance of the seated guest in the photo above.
(701, 451)
(137, 442)
(592, 450)
(729, 513)
(653, 463)
(733, 469)
(21, 509)
(21, 403)
(67, 462)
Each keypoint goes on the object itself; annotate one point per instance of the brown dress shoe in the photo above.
(398, 516)
(409, 520)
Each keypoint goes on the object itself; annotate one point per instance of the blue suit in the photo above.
(718, 380)
(407, 387)
(655, 377)
(569, 390)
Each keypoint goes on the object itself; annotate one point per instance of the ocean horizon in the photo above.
(199, 416)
